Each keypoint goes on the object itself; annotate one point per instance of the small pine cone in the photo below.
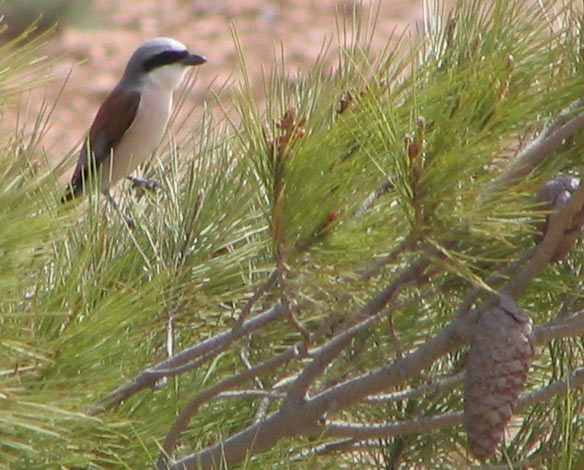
(499, 359)
(555, 194)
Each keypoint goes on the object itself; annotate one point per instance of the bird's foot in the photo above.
(148, 184)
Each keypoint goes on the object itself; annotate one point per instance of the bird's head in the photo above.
(161, 61)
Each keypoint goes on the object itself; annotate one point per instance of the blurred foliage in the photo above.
(18, 15)
(85, 303)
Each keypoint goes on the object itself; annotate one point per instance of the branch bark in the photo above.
(308, 416)
(183, 361)
(539, 149)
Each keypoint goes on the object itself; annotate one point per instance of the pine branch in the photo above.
(424, 425)
(294, 352)
(563, 327)
(538, 150)
(558, 223)
(343, 445)
(183, 361)
(244, 394)
(440, 385)
(327, 353)
(306, 417)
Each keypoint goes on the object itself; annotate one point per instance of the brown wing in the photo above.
(113, 119)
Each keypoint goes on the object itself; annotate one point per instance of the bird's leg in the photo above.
(126, 218)
(148, 184)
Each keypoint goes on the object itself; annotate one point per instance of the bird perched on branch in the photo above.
(131, 121)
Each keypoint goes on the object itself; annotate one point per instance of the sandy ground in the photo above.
(94, 56)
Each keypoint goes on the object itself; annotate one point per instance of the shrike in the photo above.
(131, 121)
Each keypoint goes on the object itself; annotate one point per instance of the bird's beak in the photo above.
(194, 59)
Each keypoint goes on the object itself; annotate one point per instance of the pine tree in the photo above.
(383, 260)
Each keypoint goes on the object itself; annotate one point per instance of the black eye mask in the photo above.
(165, 58)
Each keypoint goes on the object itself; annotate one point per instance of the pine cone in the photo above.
(554, 195)
(500, 356)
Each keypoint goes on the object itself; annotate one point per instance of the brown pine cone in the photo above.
(499, 359)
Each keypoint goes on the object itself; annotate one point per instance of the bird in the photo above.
(130, 123)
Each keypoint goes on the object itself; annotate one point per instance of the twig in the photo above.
(426, 424)
(245, 394)
(261, 290)
(373, 268)
(265, 402)
(419, 425)
(563, 117)
(540, 148)
(191, 409)
(285, 299)
(558, 223)
(399, 351)
(296, 324)
(440, 385)
(342, 445)
(381, 190)
(172, 366)
(566, 328)
(369, 311)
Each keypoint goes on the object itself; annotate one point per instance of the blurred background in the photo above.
(94, 39)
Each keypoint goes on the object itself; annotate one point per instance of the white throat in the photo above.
(167, 77)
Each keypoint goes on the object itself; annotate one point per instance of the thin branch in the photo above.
(426, 424)
(344, 394)
(440, 385)
(419, 425)
(264, 402)
(244, 356)
(328, 448)
(177, 364)
(343, 445)
(370, 200)
(558, 223)
(289, 306)
(373, 268)
(540, 148)
(574, 381)
(294, 352)
(261, 290)
(566, 328)
(563, 117)
(245, 394)
(163, 373)
(334, 347)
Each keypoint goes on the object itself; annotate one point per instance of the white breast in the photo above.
(143, 136)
